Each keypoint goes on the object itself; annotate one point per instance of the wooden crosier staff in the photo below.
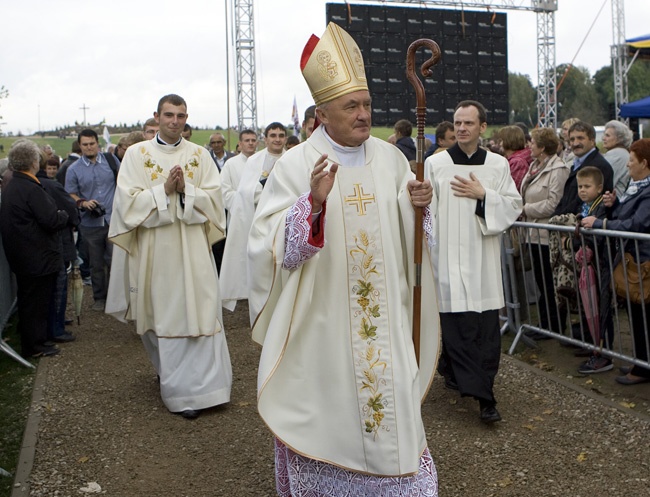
(420, 112)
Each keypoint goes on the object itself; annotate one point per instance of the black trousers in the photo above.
(471, 344)
(217, 252)
(34, 299)
(640, 328)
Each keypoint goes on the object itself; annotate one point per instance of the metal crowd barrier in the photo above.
(523, 314)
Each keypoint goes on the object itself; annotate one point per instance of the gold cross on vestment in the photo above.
(359, 199)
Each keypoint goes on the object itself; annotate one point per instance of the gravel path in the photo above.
(102, 422)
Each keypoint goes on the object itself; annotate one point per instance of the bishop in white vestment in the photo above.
(331, 275)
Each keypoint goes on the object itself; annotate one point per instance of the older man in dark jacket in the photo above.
(582, 138)
(29, 224)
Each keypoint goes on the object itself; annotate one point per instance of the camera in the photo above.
(97, 211)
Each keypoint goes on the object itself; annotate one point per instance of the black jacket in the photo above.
(406, 145)
(64, 202)
(29, 224)
(632, 215)
(570, 202)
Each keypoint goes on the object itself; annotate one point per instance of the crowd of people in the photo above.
(318, 237)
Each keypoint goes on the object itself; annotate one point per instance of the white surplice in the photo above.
(234, 266)
(467, 259)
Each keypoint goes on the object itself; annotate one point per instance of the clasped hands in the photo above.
(175, 181)
(608, 200)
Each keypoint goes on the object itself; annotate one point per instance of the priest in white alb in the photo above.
(167, 213)
(243, 203)
(474, 201)
(331, 275)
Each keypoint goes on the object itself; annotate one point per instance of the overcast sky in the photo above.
(119, 57)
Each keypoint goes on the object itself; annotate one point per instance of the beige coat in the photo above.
(542, 194)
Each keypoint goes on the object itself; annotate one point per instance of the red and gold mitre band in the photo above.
(333, 65)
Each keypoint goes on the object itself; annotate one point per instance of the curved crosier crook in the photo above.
(420, 112)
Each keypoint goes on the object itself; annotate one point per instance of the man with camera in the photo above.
(91, 182)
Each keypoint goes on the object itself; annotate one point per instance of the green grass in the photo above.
(16, 383)
(199, 136)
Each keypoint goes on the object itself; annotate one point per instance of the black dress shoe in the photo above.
(625, 369)
(189, 414)
(489, 414)
(626, 380)
(68, 321)
(64, 338)
(45, 352)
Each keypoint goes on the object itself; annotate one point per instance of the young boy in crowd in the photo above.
(590, 190)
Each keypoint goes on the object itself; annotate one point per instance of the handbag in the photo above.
(629, 277)
(520, 250)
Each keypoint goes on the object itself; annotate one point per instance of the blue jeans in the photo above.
(58, 304)
(100, 251)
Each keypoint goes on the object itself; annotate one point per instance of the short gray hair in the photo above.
(623, 133)
(23, 154)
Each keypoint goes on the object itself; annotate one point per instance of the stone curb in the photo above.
(576, 388)
(30, 437)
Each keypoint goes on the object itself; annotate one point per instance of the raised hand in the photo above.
(321, 182)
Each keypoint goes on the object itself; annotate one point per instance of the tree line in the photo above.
(579, 94)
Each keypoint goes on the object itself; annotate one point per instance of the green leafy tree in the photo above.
(577, 96)
(523, 97)
(638, 83)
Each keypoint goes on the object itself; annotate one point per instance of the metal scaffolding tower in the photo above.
(245, 62)
(546, 78)
(619, 55)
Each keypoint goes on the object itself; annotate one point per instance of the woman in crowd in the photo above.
(617, 140)
(513, 142)
(29, 223)
(632, 213)
(565, 152)
(542, 189)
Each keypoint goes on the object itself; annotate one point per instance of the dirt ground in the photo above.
(102, 422)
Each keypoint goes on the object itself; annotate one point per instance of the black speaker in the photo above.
(450, 20)
(397, 82)
(377, 48)
(354, 22)
(431, 23)
(376, 20)
(484, 24)
(377, 79)
(396, 48)
(395, 19)
(413, 24)
(379, 109)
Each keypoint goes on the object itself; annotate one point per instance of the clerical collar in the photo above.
(460, 157)
(349, 156)
(160, 141)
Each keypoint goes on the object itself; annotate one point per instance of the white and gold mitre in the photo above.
(333, 65)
